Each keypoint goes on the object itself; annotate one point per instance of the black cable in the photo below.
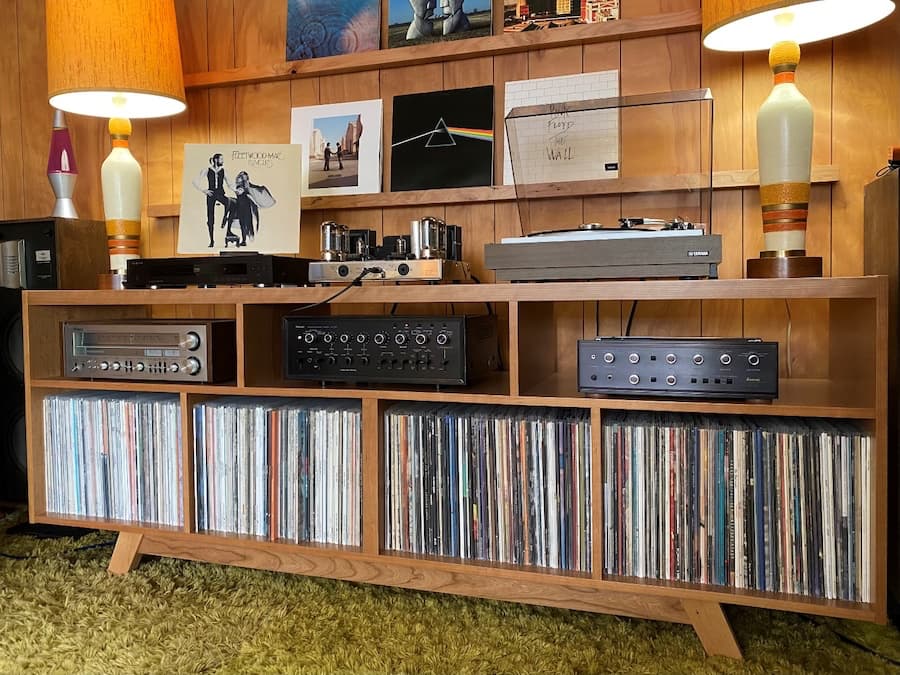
(597, 318)
(892, 166)
(490, 310)
(366, 271)
(71, 550)
(393, 309)
(852, 642)
(630, 318)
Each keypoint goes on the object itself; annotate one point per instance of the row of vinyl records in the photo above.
(494, 483)
(757, 503)
(764, 504)
(284, 469)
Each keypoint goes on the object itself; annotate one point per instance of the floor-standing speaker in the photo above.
(35, 254)
(13, 487)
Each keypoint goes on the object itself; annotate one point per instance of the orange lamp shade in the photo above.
(748, 25)
(114, 58)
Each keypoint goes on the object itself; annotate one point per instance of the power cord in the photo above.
(630, 318)
(846, 639)
(356, 282)
(71, 550)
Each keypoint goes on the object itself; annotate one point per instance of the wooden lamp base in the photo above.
(784, 265)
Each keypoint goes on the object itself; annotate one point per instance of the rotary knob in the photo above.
(174, 368)
(725, 359)
(634, 378)
(139, 366)
(116, 365)
(753, 360)
(104, 365)
(380, 338)
(609, 357)
(671, 380)
(191, 366)
(421, 339)
(634, 357)
(400, 339)
(442, 338)
(191, 341)
(309, 337)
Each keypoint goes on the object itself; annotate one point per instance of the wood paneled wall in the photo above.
(853, 83)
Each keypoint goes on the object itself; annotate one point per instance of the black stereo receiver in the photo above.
(397, 349)
(222, 270)
(696, 367)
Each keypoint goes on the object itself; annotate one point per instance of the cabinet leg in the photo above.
(712, 628)
(127, 553)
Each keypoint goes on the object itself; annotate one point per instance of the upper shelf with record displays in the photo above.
(495, 45)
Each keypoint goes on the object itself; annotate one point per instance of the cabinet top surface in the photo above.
(828, 287)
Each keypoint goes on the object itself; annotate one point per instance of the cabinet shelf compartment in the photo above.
(264, 365)
(493, 483)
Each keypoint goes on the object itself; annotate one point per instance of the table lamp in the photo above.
(117, 59)
(784, 125)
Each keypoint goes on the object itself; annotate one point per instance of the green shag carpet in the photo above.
(61, 612)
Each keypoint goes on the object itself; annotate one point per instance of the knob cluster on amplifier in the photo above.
(709, 367)
(419, 349)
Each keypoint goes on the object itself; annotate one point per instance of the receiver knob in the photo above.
(442, 338)
(671, 358)
(309, 337)
(191, 366)
(725, 359)
(328, 338)
(104, 365)
(400, 339)
(698, 359)
(609, 357)
(670, 380)
(753, 359)
(191, 341)
(380, 338)
(361, 338)
(634, 378)
(421, 338)
(174, 368)
(116, 365)
(344, 338)
(634, 357)
(139, 366)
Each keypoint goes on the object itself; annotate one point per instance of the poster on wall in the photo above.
(521, 16)
(342, 143)
(330, 27)
(443, 139)
(415, 22)
(240, 198)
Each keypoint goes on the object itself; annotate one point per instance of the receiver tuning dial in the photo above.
(191, 366)
(191, 341)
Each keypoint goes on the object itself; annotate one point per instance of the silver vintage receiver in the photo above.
(174, 350)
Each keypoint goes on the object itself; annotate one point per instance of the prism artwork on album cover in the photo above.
(443, 139)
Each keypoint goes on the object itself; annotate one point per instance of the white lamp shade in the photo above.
(114, 58)
(748, 25)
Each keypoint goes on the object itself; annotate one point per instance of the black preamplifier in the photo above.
(397, 349)
(698, 367)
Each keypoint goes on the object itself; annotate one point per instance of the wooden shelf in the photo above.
(797, 398)
(507, 43)
(722, 180)
(704, 289)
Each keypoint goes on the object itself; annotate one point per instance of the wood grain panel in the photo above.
(192, 34)
(507, 68)
(219, 29)
(638, 8)
(11, 185)
(191, 126)
(349, 87)
(37, 115)
(865, 123)
(259, 32)
(264, 113)
(305, 92)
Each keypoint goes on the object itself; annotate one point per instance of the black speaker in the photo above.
(13, 484)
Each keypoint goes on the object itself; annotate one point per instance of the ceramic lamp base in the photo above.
(784, 265)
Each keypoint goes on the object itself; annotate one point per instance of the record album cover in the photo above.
(527, 15)
(443, 139)
(413, 22)
(342, 144)
(240, 197)
(330, 27)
